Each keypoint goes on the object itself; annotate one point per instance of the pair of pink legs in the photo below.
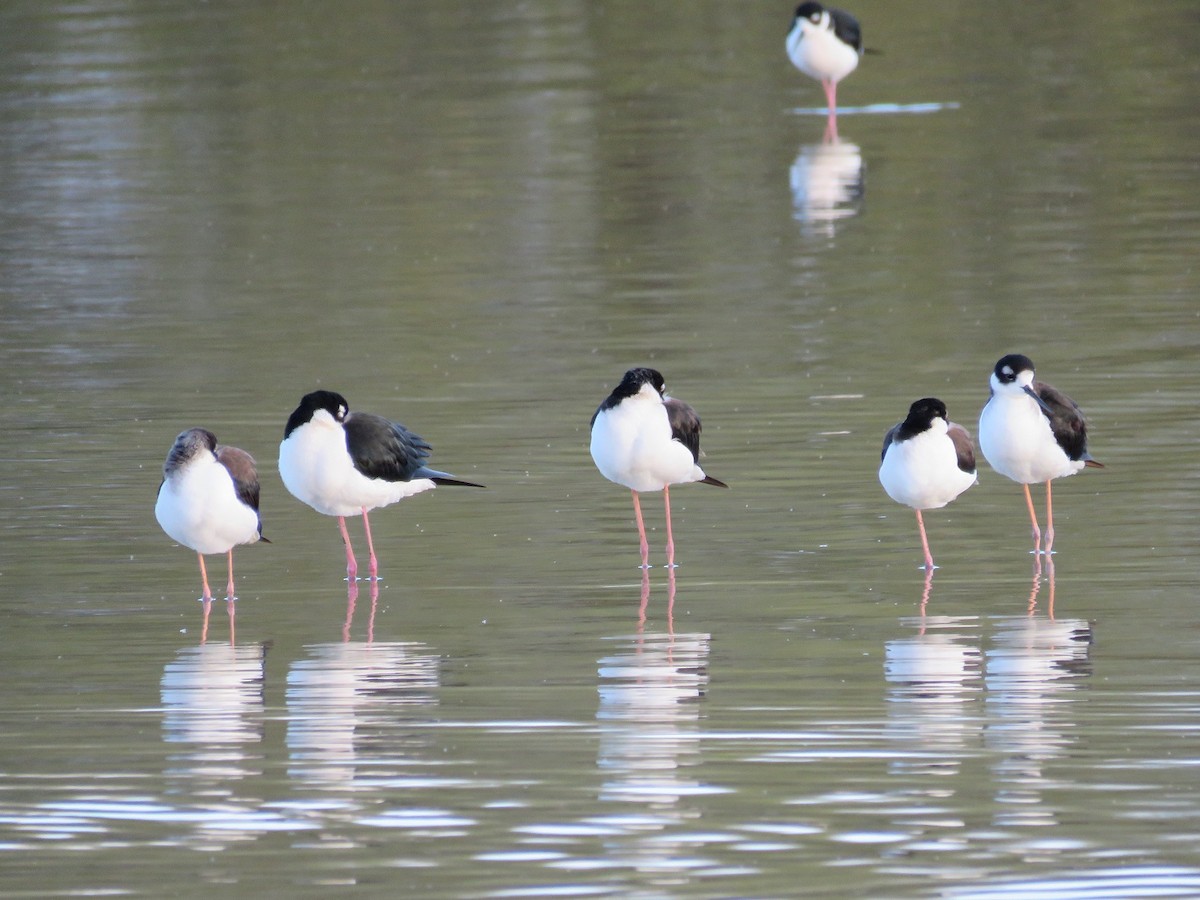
(208, 597)
(351, 564)
(644, 544)
(1037, 533)
(204, 577)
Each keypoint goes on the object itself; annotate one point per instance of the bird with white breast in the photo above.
(208, 499)
(927, 461)
(344, 463)
(647, 441)
(1031, 432)
(825, 43)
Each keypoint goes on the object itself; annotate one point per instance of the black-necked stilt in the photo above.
(647, 441)
(344, 463)
(825, 44)
(927, 462)
(208, 499)
(1030, 432)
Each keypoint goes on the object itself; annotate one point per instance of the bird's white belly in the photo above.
(1017, 442)
(316, 468)
(923, 472)
(639, 456)
(820, 55)
(199, 509)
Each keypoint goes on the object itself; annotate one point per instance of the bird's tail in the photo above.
(443, 478)
(447, 481)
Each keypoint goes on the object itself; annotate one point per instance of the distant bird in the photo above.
(647, 441)
(208, 499)
(825, 44)
(1030, 432)
(927, 462)
(344, 463)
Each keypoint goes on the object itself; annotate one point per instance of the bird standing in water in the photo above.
(344, 463)
(208, 499)
(927, 461)
(825, 44)
(1031, 432)
(647, 441)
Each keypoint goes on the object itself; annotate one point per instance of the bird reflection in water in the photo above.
(344, 702)
(827, 185)
(230, 608)
(644, 603)
(935, 678)
(1032, 674)
(352, 602)
(650, 688)
(212, 701)
(1039, 580)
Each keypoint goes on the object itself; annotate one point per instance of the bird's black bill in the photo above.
(1040, 402)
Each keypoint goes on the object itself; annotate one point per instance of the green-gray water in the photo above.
(473, 218)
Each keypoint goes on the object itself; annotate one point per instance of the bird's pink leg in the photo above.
(1037, 532)
(1049, 521)
(231, 608)
(831, 132)
(373, 564)
(643, 543)
(204, 625)
(670, 536)
(924, 543)
(351, 565)
(204, 578)
(229, 587)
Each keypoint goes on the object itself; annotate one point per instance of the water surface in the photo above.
(473, 220)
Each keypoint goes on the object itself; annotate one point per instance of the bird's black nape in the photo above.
(635, 378)
(922, 413)
(920, 416)
(330, 401)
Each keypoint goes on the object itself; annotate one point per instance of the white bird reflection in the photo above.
(342, 703)
(827, 185)
(650, 689)
(1032, 673)
(212, 700)
(934, 677)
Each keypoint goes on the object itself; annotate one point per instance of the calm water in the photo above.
(473, 218)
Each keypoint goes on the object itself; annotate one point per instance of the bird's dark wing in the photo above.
(846, 27)
(389, 451)
(685, 428)
(892, 435)
(1066, 420)
(383, 449)
(240, 466)
(963, 446)
(685, 425)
